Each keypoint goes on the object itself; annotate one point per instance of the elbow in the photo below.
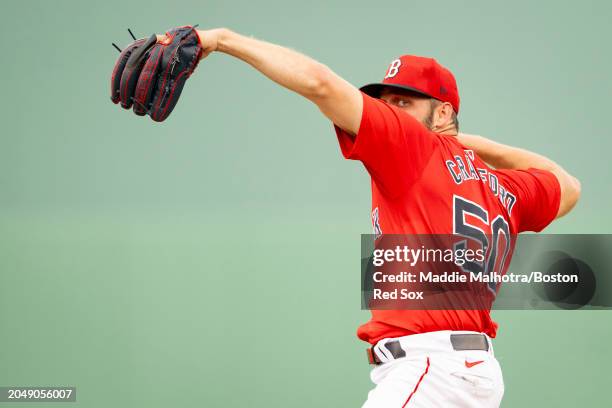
(572, 190)
(575, 190)
(319, 82)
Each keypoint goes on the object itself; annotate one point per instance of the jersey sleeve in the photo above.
(538, 196)
(393, 146)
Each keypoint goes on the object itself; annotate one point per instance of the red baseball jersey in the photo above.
(427, 183)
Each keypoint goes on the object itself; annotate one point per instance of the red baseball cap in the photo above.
(418, 74)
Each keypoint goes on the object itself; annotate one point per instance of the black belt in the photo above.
(459, 342)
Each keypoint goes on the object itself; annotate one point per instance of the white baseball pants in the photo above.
(433, 374)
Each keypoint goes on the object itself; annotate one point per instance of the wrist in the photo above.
(212, 40)
(491, 152)
(223, 35)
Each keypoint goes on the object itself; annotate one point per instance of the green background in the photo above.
(180, 264)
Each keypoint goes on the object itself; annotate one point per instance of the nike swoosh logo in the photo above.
(469, 364)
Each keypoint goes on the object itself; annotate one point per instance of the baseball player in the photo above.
(427, 178)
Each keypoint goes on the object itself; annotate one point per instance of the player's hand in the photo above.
(150, 73)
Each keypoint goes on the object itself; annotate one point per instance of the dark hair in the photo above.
(455, 120)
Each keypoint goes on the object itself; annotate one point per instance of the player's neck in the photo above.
(448, 130)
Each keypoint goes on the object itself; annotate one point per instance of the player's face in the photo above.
(417, 105)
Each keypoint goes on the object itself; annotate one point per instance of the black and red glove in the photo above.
(149, 75)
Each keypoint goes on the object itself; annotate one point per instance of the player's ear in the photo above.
(443, 115)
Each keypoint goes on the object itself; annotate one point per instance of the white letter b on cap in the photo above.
(393, 69)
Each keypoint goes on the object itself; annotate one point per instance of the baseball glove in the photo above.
(149, 74)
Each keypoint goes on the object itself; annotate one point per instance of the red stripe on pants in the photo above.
(416, 387)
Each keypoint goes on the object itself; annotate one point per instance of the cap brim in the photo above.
(374, 90)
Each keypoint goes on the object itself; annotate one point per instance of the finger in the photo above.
(163, 39)
(131, 72)
(147, 81)
(119, 67)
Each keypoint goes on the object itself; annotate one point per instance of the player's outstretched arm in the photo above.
(340, 101)
(502, 156)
